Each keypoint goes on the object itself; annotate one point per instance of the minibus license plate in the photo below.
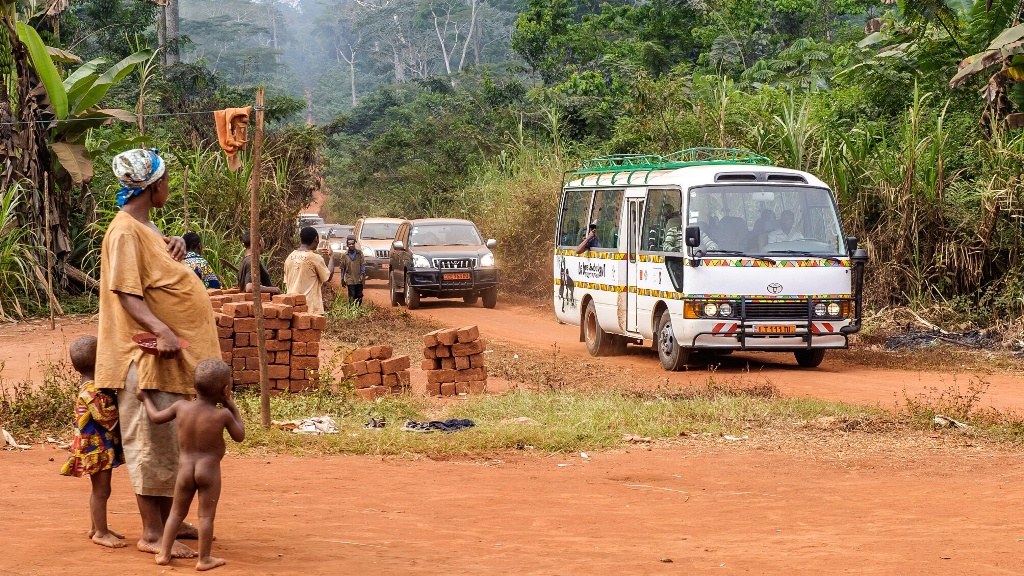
(775, 329)
(458, 276)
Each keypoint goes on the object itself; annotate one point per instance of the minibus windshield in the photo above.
(766, 220)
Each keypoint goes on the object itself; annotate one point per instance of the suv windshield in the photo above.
(445, 235)
(766, 220)
(379, 231)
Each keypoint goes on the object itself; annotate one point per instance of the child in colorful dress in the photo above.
(96, 448)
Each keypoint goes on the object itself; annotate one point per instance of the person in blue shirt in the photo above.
(590, 242)
(353, 270)
(198, 264)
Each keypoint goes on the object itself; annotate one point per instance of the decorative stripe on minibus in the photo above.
(592, 286)
(752, 263)
(597, 255)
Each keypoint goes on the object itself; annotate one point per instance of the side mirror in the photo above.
(693, 236)
(398, 245)
(492, 243)
(851, 244)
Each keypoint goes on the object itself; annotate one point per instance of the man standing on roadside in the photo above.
(245, 270)
(145, 288)
(305, 271)
(353, 271)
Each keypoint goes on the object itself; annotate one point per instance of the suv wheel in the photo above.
(673, 356)
(491, 297)
(470, 298)
(396, 298)
(412, 296)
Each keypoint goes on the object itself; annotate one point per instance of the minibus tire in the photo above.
(396, 298)
(412, 296)
(673, 356)
(491, 297)
(599, 342)
(810, 358)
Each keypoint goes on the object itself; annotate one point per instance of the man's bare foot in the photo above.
(110, 540)
(209, 563)
(163, 560)
(92, 532)
(189, 532)
(179, 550)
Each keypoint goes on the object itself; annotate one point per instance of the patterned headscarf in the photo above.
(137, 169)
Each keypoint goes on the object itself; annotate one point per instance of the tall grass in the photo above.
(17, 277)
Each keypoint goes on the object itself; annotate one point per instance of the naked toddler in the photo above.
(201, 425)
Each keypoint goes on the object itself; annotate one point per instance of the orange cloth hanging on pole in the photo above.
(231, 126)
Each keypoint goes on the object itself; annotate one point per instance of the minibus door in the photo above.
(636, 216)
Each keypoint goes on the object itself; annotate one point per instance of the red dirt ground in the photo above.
(706, 505)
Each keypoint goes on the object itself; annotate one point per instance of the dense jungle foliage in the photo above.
(911, 110)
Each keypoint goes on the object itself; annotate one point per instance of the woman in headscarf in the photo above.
(144, 287)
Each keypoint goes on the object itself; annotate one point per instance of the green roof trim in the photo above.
(636, 163)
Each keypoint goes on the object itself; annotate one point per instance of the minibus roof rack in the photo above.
(634, 164)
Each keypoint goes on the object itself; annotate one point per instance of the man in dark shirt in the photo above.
(245, 269)
(590, 242)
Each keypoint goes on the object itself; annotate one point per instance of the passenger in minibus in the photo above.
(590, 242)
(787, 231)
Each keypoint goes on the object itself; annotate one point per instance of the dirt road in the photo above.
(691, 509)
(535, 327)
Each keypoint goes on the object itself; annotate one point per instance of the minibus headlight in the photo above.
(710, 309)
(725, 309)
(819, 309)
(833, 309)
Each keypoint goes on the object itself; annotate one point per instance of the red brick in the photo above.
(283, 357)
(286, 313)
(284, 299)
(443, 351)
(318, 322)
(279, 345)
(359, 355)
(469, 348)
(245, 325)
(306, 335)
(477, 386)
(245, 352)
(300, 385)
(392, 365)
(269, 311)
(242, 339)
(448, 389)
(430, 352)
(373, 366)
(302, 321)
(249, 376)
(247, 297)
(299, 374)
(300, 299)
(468, 334)
(462, 387)
(430, 364)
(372, 393)
(441, 376)
(284, 334)
(224, 321)
(382, 352)
(300, 308)
(298, 348)
(357, 368)
(214, 291)
(227, 345)
(447, 363)
(430, 339)
(275, 371)
(237, 309)
(470, 375)
(306, 362)
(389, 380)
(367, 380)
(434, 389)
(462, 363)
(226, 357)
(238, 363)
(277, 324)
(448, 336)
(476, 361)
(252, 363)
(225, 332)
(403, 378)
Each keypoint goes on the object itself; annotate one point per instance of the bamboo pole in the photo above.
(254, 264)
(49, 253)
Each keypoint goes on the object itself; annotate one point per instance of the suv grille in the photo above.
(382, 253)
(454, 263)
(777, 310)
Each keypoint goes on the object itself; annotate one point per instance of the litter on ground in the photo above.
(317, 425)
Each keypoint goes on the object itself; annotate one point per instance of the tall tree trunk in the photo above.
(161, 33)
(173, 33)
(469, 37)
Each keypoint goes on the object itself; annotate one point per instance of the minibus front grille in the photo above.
(788, 310)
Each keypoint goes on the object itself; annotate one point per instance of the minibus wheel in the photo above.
(599, 342)
(810, 358)
(673, 356)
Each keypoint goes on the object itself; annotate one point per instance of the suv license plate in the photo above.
(459, 276)
(384, 266)
(775, 329)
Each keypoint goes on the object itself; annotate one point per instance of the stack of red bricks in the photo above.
(454, 361)
(292, 339)
(376, 373)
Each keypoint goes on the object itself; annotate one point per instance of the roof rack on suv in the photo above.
(633, 164)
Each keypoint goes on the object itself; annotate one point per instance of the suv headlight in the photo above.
(336, 246)
(368, 252)
(487, 260)
(420, 261)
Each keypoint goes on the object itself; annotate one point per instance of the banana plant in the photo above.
(75, 101)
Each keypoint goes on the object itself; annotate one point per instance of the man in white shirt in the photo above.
(787, 231)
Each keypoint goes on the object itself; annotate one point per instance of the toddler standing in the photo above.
(96, 448)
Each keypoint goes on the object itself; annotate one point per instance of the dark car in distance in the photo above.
(442, 258)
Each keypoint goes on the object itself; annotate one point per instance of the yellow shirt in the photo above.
(304, 273)
(134, 260)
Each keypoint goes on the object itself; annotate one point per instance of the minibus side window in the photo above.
(663, 228)
(607, 209)
(575, 209)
